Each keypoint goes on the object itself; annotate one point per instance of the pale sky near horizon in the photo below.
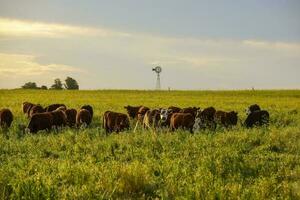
(213, 44)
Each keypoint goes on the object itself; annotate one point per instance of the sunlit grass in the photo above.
(259, 163)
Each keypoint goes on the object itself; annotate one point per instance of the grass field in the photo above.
(258, 163)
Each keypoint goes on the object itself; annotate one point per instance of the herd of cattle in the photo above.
(191, 118)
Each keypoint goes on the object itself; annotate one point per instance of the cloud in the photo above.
(108, 55)
(26, 65)
(21, 28)
(295, 47)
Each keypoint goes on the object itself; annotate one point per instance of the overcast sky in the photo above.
(212, 44)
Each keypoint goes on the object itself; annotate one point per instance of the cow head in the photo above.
(132, 111)
(165, 113)
(252, 109)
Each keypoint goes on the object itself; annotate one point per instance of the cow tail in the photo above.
(103, 121)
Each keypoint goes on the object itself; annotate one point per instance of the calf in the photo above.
(132, 111)
(83, 117)
(71, 117)
(113, 121)
(182, 120)
(40, 121)
(6, 118)
(151, 118)
(226, 118)
(53, 107)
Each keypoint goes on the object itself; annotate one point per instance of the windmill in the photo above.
(157, 70)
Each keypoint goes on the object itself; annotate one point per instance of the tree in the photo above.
(57, 85)
(71, 84)
(43, 87)
(30, 85)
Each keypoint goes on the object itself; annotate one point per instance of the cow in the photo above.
(257, 118)
(226, 119)
(253, 108)
(132, 111)
(36, 109)
(151, 118)
(26, 106)
(205, 119)
(71, 117)
(183, 121)
(192, 110)
(59, 118)
(113, 121)
(89, 108)
(53, 107)
(83, 117)
(165, 117)
(6, 118)
(40, 121)
(174, 109)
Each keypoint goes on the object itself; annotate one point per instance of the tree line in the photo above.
(69, 84)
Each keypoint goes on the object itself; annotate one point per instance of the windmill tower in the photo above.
(157, 70)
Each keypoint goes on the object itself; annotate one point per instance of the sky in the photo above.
(216, 44)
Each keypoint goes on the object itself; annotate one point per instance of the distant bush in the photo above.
(30, 85)
(43, 87)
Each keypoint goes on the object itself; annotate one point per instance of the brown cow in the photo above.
(40, 121)
(174, 109)
(71, 117)
(26, 106)
(59, 118)
(226, 118)
(6, 118)
(132, 111)
(113, 121)
(151, 118)
(257, 118)
(36, 109)
(53, 107)
(89, 108)
(192, 110)
(182, 120)
(83, 117)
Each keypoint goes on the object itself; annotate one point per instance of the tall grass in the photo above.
(239, 163)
